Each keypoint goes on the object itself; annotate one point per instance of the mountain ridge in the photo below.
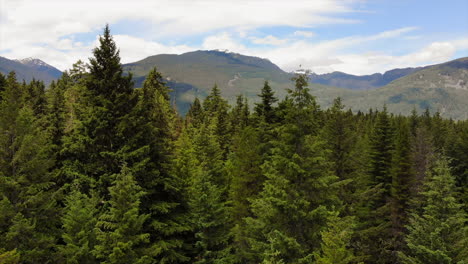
(30, 68)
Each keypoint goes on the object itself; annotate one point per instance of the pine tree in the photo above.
(342, 142)
(78, 223)
(245, 176)
(216, 111)
(239, 115)
(335, 241)
(28, 203)
(2, 85)
(120, 235)
(195, 114)
(298, 193)
(376, 235)
(438, 234)
(265, 108)
(402, 181)
(104, 126)
(150, 155)
(200, 163)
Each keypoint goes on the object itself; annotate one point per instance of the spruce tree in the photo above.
(78, 223)
(104, 125)
(216, 111)
(376, 235)
(2, 85)
(202, 165)
(299, 192)
(439, 233)
(245, 177)
(336, 240)
(150, 156)
(265, 108)
(342, 142)
(27, 190)
(402, 182)
(120, 234)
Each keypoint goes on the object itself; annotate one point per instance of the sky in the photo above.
(353, 36)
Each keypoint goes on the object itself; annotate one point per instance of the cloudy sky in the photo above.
(353, 36)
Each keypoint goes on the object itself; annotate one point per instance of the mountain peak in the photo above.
(33, 62)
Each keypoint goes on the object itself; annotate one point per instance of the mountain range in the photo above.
(441, 87)
(30, 68)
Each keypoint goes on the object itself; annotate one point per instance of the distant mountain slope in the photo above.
(194, 74)
(442, 87)
(364, 82)
(30, 68)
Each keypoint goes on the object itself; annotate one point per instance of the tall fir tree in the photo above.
(402, 182)
(336, 240)
(78, 222)
(27, 190)
(265, 108)
(299, 187)
(120, 234)
(104, 123)
(439, 233)
(150, 155)
(245, 182)
(376, 223)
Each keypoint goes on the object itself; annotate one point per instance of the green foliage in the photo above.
(438, 234)
(27, 190)
(265, 108)
(335, 241)
(150, 152)
(78, 223)
(120, 235)
(290, 183)
(9, 257)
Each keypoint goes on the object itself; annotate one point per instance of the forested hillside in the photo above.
(94, 170)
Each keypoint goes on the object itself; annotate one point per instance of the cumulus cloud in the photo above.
(302, 33)
(269, 40)
(50, 30)
(43, 28)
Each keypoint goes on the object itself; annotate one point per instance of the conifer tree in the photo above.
(34, 96)
(2, 85)
(216, 111)
(245, 176)
(265, 107)
(195, 114)
(342, 142)
(402, 182)
(120, 234)
(27, 201)
(239, 115)
(78, 223)
(376, 235)
(336, 240)
(206, 189)
(298, 193)
(104, 125)
(150, 155)
(438, 234)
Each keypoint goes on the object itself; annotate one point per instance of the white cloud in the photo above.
(133, 49)
(302, 33)
(48, 30)
(31, 28)
(269, 40)
(223, 41)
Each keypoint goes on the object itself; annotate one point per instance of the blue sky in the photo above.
(353, 36)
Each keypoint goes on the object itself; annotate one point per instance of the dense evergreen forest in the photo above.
(95, 171)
